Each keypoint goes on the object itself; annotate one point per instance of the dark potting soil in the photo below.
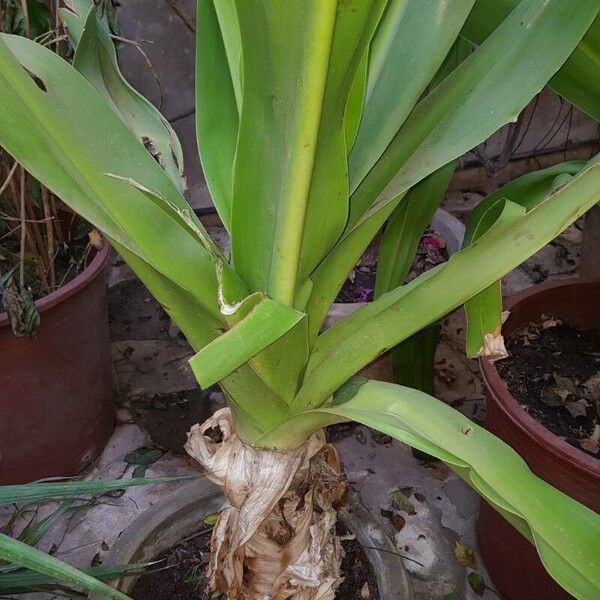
(359, 287)
(70, 259)
(185, 575)
(554, 372)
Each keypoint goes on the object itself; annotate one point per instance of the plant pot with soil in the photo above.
(57, 394)
(56, 409)
(178, 530)
(543, 401)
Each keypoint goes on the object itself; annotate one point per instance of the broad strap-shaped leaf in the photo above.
(410, 46)
(466, 107)
(284, 74)
(413, 359)
(523, 53)
(328, 200)
(329, 276)
(353, 343)
(66, 135)
(484, 311)
(405, 227)
(578, 80)
(26, 556)
(565, 533)
(96, 59)
(265, 324)
(216, 95)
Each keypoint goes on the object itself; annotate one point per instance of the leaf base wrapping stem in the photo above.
(276, 539)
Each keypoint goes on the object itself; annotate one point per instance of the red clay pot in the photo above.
(56, 394)
(510, 559)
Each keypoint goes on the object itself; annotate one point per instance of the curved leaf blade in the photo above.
(523, 53)
(96, 59)
(348, 346)
(484, 311)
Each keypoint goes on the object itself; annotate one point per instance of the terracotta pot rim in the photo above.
(509, 405)
(69, 289)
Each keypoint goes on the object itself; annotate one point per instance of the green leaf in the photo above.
(526, 49)
(405, 228)
(484, 311)
(215, 95)
(413, 360)
(328, 200)
(565, 532)
(412, 42)
(578, 79)
(265, 324)
(25, 580)
(96, 59)
(329, 276)
(142, 458)
(40, 492)
(284, 74)
(26, 556)
(35, 531)
(65, 135)
(373, 329)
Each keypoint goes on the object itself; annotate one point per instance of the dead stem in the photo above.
(174, 4)
(25, 10)
(9, 177)
(139, 48)
(49, 236)
(38, 247)
(23, 230)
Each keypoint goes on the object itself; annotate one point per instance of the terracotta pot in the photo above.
(511, 560)
(177, 516)
(56, 394)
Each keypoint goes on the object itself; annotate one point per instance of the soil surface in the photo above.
(70, 260)
(184, 577)
(554, 372)
(359, 287)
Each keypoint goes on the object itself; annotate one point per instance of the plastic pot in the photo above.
(179, 515)
(511, 560)
(56, 390)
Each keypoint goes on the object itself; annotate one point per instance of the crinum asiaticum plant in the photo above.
(319, 121)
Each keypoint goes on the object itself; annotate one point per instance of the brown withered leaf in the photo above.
(592, 443)
(20, 307)
(401, 502)
(592, 386)
(577, 408)
(438, 470)
(465, 556)
(550, 396)
(95, 239)
(398, 521)
(549, 321)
